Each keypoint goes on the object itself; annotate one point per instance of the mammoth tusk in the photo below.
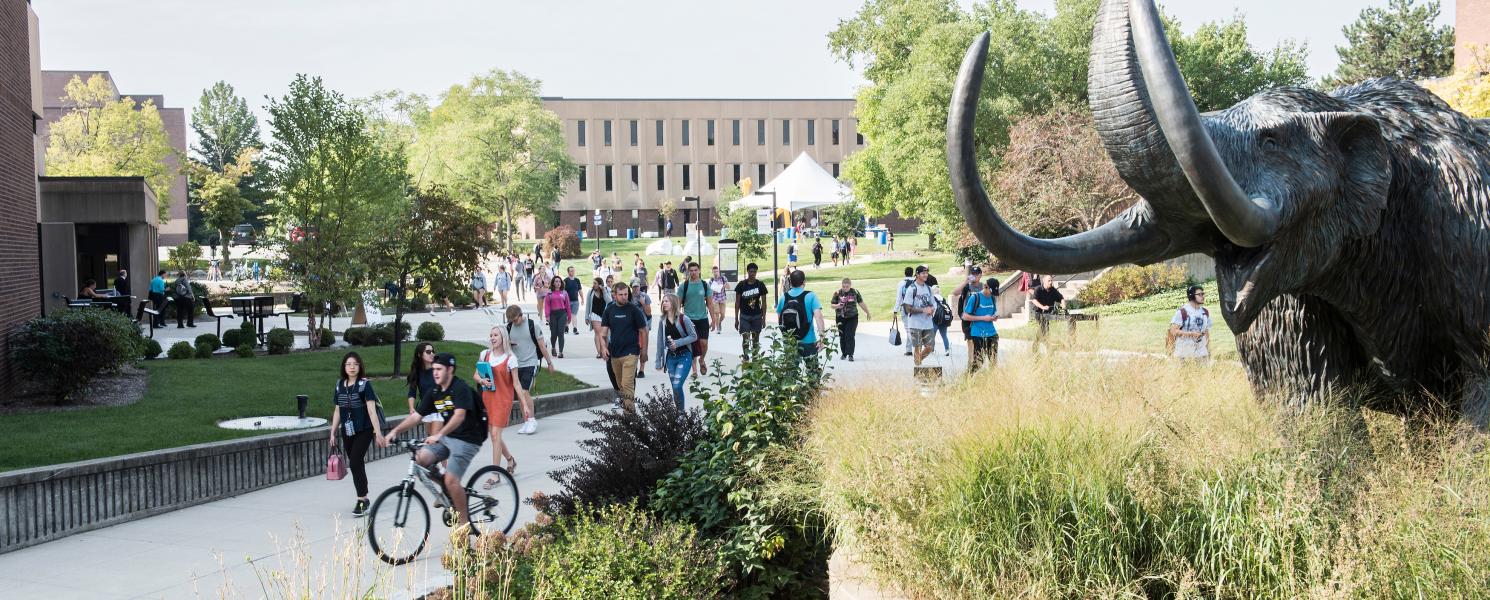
(1247, 222)
(1132, 237)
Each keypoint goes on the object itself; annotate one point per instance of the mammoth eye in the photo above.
(1268, 142)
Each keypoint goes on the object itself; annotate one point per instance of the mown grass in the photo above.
(185, 399)
(1136, 326)
(1089, 478)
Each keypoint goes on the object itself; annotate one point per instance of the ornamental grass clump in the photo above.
(1089, 477)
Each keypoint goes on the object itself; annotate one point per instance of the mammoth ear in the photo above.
(1364, 168)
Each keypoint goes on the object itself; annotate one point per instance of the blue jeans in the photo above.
(946, 345)
(678, 366)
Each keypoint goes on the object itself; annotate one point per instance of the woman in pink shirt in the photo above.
(556, 310)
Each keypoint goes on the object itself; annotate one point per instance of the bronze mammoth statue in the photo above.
(1350, 229)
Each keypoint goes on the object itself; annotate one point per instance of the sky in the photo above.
(577, 48)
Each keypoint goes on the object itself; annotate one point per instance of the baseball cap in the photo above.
(923, 269)
(445, 358)
(976, 270)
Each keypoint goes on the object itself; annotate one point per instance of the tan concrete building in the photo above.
(633, 153)
(54, 84)
(1471, 34)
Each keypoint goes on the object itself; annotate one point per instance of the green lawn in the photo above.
(186, 398)
(1137, 325)
(626, 248)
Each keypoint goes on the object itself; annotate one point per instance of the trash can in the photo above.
(884, 236)
(581, 234)
(630, 234)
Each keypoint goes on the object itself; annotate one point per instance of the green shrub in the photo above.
(202, 351)
(463, 297)
(78, 345)
(326, 337)
(152, 349)
(184, 256)
(280, 340)
(247, 327)
(1129, 282)
(751, 413)
(233, 337)
(181, 350)
(430, 331)
(209, 340)
(383, 332)
(244, 350)
(356, 336)
(615, 552)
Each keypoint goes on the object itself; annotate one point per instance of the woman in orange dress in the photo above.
(497, 393)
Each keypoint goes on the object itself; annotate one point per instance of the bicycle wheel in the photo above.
(492, 496)
(398, 524)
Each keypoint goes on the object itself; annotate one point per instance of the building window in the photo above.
(760, 172)
(583, 179)
(582, 134)
(636, 176)
(711, 132)
(685, 132)
(687, 181)
(736, 169)
(858, 135)
(659, 132)
(608, 181)
(835, 132)
(786, 132)
(633, 132)
(735, 129)
(661, 178)
(835, 170)
(711, 177)
(760, 132)
(607, 133)
(811, 132)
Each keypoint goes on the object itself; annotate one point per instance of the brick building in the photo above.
(1471, 33)
(20, 111)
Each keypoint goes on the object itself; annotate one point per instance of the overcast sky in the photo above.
(578, 48)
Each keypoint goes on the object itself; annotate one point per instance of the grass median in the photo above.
(185, 400)
(1136, 325)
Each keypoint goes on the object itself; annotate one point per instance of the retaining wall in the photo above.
(47, 503)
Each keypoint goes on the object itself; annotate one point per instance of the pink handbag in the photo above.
(336, 465)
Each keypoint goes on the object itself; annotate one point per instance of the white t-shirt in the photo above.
(1192, 320)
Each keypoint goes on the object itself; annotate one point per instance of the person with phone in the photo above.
(356, 423)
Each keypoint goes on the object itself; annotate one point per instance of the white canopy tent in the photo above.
(804, 184)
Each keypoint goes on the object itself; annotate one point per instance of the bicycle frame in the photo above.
(416, 473)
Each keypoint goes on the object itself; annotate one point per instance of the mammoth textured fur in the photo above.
(1351, 229)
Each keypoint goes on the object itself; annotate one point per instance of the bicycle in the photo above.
(491, 498)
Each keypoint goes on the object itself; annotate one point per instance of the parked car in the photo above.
(243, 235)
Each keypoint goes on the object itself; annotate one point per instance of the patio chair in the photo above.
(216, 318)
(296, 300)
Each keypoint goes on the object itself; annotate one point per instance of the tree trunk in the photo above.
(310, 318)
(222, 242)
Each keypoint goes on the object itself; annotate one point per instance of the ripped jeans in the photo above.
(678, 366)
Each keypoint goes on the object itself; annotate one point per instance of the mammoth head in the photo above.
(1274, 187)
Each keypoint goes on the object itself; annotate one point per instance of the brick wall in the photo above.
(1471, 30)
(20, 268)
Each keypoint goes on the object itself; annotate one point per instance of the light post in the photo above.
(698, 219)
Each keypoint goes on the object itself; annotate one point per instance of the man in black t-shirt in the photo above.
(847, 302)
(459, 438)
(623, 327)
(750, 310)
(573, 286)
(1045, 300)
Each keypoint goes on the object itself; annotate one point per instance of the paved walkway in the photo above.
(300, 536)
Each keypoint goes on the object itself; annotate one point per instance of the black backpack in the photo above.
(943, 316)
(531, 333)
(794, 317)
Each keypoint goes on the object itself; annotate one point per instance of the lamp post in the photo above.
(698, 219)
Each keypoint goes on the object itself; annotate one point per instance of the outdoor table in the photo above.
(1044, 319)
(254, 308)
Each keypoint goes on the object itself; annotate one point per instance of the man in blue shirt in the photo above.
(800, 314)
(980, 310)
(158, 298)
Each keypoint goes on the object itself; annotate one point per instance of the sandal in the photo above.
(511, 465)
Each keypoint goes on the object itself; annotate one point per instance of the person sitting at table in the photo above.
(90, 291)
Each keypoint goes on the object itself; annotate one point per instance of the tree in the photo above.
(740, 221)
(431, 234)
(911, 50)
(492, 144)
(1399, 41)
(335, 186)
(218, 197)
(843, 220)
(102, 137)
(1054, 177)
(225, 129)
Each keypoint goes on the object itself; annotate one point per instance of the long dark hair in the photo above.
(361, 370)
(416, 369)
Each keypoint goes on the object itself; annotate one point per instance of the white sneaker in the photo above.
(530, 427)
(615, 404)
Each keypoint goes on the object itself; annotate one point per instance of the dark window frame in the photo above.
(711, 176)
(661, 138)
(581, 133)
(786, 132)
(661, 177)
(607, 129)
(609, 179)
(584, 185)
(836, 137)
(687, 129)
(812, 132)
(735, 127)
(687, 177)
(634, 136)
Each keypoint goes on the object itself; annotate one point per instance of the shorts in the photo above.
(525, 377)
(967, 330)
(920, 338)
(458, 452)
(701, 326)
(752, 323)
(432, 418)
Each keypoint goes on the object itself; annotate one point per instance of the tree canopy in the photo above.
(910, 51)
(1054, 177)
(1401, 40)
(103, 136)
(226, 130)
